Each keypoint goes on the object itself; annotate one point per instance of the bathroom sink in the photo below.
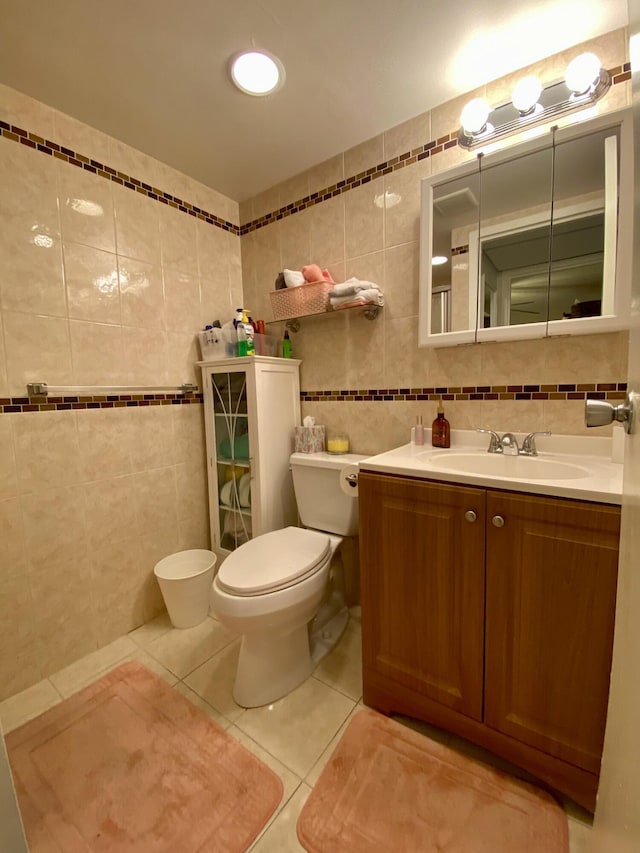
(499, 465)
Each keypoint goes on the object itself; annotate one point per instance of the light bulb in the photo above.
(582, 72)
(474, 116)
(525, 94)
(256, 72)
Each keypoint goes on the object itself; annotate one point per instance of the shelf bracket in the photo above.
(371, 313)
(293, 325)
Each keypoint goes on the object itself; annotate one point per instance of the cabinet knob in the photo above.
(497, 521)
(470, 515)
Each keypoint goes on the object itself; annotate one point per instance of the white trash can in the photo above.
(185, 580)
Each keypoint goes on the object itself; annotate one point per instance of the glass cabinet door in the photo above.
(233, 458)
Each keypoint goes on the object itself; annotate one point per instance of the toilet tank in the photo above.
(322, 504)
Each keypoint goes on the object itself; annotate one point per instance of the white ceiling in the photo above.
(154, 72)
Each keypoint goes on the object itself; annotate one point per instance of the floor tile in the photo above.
(314, 774)
(289, 779)
(28, 704)
(297, 728)
(183, 650)
(579, 835)
(199, 702)
(143, 657)
(280, 836)
(213, 680)
(77, 675)
(150, 631)
(342, 668)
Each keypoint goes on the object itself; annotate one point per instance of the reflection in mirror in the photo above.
(514, 237)
(456, 212)
(584, 226)
(535, 237)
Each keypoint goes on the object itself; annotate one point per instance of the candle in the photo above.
(338, 444)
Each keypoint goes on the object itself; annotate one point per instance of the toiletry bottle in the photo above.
(417, 433)
(249, 332)
(440, 429)
(286, 346)
(242, 340)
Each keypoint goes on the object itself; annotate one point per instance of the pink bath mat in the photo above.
(128, 764)
(388, 788)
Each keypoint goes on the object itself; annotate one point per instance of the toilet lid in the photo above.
(274, 561)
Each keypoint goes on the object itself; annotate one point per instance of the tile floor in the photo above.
(294, 736)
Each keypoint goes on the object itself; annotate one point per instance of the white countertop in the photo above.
(602, 481)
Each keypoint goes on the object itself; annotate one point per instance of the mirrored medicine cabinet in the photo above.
(536, 239)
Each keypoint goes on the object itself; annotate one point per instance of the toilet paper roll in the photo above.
(349, 480)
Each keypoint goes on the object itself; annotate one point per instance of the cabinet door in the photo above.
(551, 586)
(422, 587)
(232, 458)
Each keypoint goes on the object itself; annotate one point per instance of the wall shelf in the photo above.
(370, 312)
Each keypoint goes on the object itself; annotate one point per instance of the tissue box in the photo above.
(309, 439)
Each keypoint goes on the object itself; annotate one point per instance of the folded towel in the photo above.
(352, 286)
(293, 278)
(240, 447)
(313, 273)
(372, 296)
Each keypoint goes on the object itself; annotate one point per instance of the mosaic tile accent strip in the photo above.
(618, 75)
(562, 391)
(12, 405)
(46, 146)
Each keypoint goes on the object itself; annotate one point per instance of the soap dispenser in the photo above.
(440, 429)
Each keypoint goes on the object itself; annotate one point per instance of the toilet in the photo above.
(284, 590)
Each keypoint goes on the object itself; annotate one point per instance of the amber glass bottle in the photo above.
(440, 429)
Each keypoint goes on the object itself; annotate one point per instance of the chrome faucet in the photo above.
(508, 444)
(529, 444)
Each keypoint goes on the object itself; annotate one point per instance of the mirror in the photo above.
(532, 239)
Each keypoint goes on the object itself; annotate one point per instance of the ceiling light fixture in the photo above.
(437, 260)
(585, 82)
(256, 72)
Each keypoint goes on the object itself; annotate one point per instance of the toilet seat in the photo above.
(274, 561)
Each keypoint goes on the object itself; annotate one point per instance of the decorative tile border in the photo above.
(12, 405)
(67, 155)
(429, 149)
(619, 74)
(563, 391)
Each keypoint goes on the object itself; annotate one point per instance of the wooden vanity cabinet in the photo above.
(490, 614)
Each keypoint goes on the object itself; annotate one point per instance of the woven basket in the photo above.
(291, 302)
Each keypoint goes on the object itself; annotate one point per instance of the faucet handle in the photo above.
(494, 444)
(529, 444)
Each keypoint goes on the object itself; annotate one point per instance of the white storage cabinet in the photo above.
(251, 408)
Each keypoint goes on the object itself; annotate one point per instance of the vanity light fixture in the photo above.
(532, 103)
(257, 72)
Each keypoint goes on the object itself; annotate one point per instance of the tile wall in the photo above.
(369, 378)
(109, 263)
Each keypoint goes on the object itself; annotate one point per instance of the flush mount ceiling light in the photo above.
(256, 72)
(585, 82)
(437, 260)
